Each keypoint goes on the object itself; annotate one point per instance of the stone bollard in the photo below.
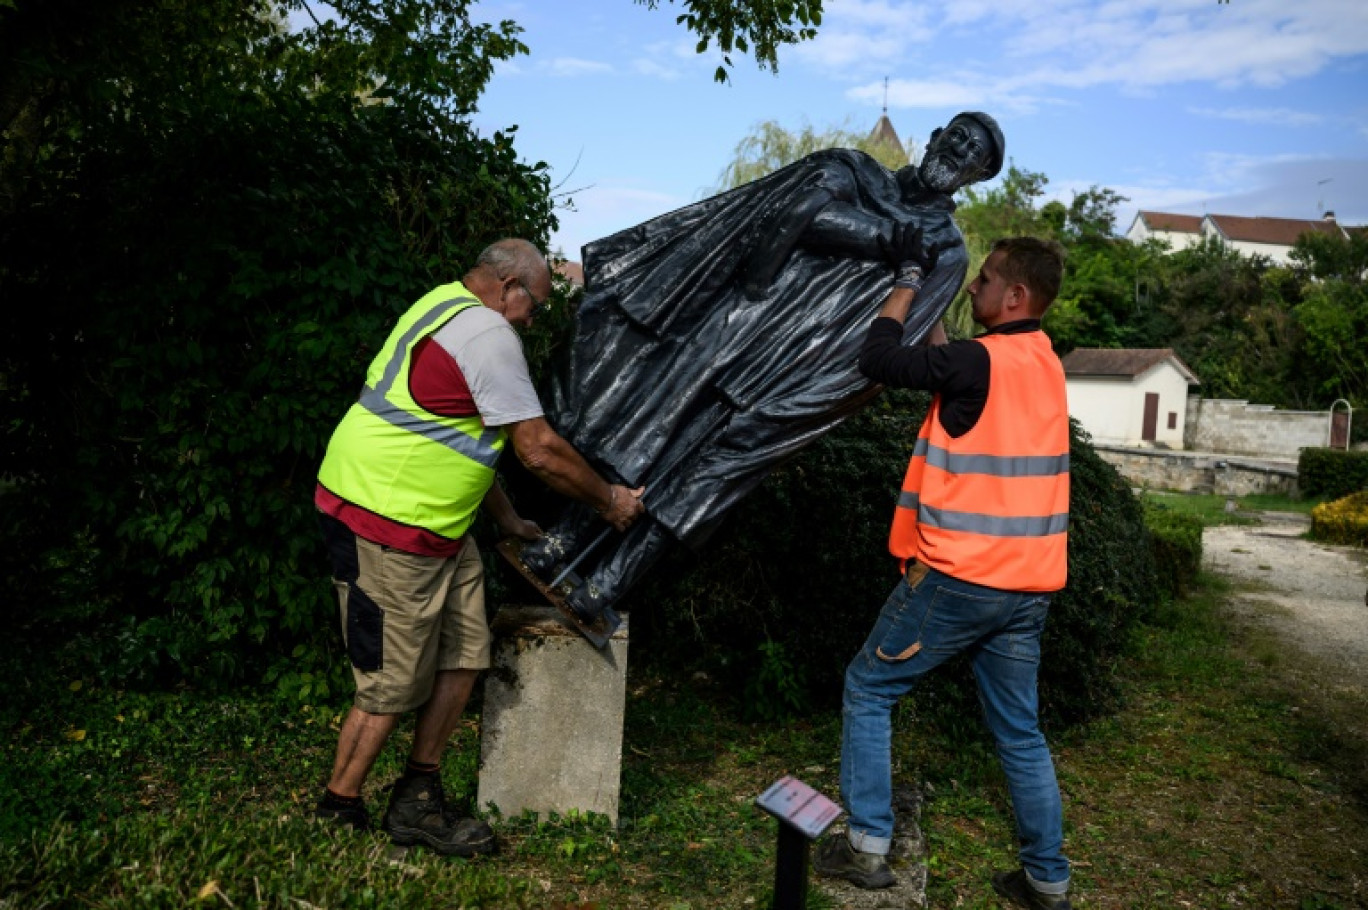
(551, 737)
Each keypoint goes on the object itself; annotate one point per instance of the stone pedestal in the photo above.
(551, 736)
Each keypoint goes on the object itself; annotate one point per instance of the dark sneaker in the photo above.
(1016, 888)
(354, 817)
(417, 815)
(835, 858)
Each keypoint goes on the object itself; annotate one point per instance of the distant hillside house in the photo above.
(1129, 396)
(1178, 231)
(1271, 237)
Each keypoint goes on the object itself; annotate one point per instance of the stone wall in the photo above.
(1196, 472)
(1240, 428)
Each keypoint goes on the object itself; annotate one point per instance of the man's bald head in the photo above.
(512, 278)
(517, 258)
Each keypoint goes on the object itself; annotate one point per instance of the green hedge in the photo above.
(1176, 546)
(1332, 473)
(784, 595)
(206, 267)
(1342, 521)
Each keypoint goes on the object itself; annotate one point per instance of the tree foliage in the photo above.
(1290, 336)
(218, 226)
(755, 26)
(770, 146)
(802, 569)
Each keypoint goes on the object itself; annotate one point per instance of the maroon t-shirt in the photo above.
(437, 385)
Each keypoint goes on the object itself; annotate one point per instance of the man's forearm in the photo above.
(497, 504)
(884, 358)
(898, 304)
(556, 464)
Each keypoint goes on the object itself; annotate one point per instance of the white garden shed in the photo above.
(1129, 396)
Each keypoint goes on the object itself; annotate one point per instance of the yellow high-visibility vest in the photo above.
(392, 457)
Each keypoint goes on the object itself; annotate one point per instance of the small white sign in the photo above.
(795, 803)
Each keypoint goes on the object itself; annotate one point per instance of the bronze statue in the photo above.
(718, 340)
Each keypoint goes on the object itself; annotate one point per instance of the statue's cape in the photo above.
(673, 362)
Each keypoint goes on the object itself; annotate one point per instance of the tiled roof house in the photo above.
(1179, 231)
(1271, 237)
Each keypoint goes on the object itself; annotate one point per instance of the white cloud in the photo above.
(1135, 44)
(864, 34)
(643, 66)
(965, 91)
(670, 60)
(1260, 116)
(575, 66)
(926, 93)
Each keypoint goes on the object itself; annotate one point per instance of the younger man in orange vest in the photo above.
(981, 532)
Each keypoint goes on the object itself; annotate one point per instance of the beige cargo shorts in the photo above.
(405, 616)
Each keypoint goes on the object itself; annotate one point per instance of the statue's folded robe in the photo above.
(680, 380)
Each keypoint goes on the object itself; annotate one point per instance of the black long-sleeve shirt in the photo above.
(958, 372)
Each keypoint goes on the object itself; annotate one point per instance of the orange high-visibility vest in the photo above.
(992, 507)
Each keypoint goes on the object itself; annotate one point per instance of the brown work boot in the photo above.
(835, 858)
(417, 815)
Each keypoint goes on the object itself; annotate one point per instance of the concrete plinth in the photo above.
(551, 736)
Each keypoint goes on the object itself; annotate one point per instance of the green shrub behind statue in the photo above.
(782, 597)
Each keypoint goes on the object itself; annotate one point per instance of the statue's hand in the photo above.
(912, 259)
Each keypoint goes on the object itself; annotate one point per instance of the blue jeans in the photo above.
(921, 626)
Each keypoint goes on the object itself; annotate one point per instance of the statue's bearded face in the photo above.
(959, 155)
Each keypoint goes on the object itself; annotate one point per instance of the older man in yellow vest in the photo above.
(404, 474)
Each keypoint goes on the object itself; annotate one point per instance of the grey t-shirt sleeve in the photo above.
(490, 356)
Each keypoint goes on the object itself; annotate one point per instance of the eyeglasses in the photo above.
(539, 307)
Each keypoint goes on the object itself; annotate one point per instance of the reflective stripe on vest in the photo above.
(394, 458)
(996, 465)
(484, 449)
(992, 507)
(996, 525)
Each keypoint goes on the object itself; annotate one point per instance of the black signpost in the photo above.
(803, 815)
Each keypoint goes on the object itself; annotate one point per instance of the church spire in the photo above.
(884, 134)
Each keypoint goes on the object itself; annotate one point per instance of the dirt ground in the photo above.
(1309, 595)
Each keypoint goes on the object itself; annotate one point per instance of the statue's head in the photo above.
(968, 149)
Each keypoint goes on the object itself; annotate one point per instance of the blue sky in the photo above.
(1240, 108)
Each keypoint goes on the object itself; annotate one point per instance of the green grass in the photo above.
(1277, 502)
(1233, 777)
(1212, 509)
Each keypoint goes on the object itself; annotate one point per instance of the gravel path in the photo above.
(1312, 595)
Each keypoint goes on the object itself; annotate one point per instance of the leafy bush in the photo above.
(1332, 473)
(803, 564)
(243, 251)
(1342, 521)
(1176, 547)
(1111, 588)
